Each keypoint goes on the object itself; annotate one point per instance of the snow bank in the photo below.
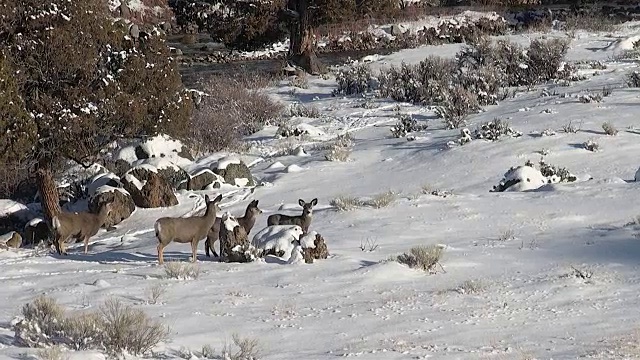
(10, 207)
(528, 178)
(100, 180)
(128, 154)
(226, 161)
(277, 238)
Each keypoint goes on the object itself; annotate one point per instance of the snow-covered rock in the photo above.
(276, 239)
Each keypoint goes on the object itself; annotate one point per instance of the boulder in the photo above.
(125, 12)
(134, 31)
(234, 243)
(119, 167)
(15, 241)
(235, 170)
(173, 177)
(317, 251)
(148, 189)
(200, 181)
(36, 231)
(122, 204)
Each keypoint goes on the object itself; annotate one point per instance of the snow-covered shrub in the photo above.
(354, 80)
(495, 129)
(299, 109)
(465, 137)
(422, 257)
(115, 328)
(424, 83)
(457, 105)
(407, 124)
(528, 177)
(242, 349)
(381, 200)
(228, 112)
(590, 98)
(633, 79)
(42, 323)
(340, 149)
(570, 128)
(591, 145)
(471, 287)
(555, 174)
(301, 82)
(346, 203)
(53, 353)
(181, 270)
(126, 329)
(486, 82)
(609, 128)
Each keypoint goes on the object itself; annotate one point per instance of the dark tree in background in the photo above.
(302, 46)
(79, 81)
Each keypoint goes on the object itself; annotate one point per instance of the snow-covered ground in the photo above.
(522, 246)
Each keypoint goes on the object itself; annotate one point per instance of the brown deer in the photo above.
(304, 220)
(79, 225)
(186, 230)
(247, 221)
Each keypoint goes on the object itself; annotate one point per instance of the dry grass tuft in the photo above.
(346, 203)
(181, 270)
(423, 257)
(382, 200)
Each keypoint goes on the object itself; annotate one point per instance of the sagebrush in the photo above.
(422, 257)
(115, 328)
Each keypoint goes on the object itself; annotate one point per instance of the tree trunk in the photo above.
(49, 197)
(301, 45)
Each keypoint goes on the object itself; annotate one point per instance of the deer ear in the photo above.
(301, 202)
(218, 198)
(206, 199)
(314, 202)
(255, 202)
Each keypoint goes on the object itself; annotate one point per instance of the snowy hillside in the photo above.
(549, 273)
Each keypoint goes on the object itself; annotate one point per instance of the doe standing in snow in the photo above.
(304, 220)
(247, 222)
(186, 230)
(81, 226)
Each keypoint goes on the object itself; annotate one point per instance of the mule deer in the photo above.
(186, 230)
(247, 222)
(304, 220)
(81, 226)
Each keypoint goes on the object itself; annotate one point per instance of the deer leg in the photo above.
(86, 245)
(160, 253)
(213, 249)
(207, 244)
(194, 250)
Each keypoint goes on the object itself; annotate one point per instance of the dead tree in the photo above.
(302, 47)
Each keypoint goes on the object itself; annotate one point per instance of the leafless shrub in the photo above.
(155, 293)
(495, 129)
(507, 235)
(369, 245)
(354, 80)
(83, 331)
(128, 329)
(591, 145)
(340, 149)
(590, 22)
(227, 112)
(43, 320)
(298, 109)
(609, 128)
(423, 257)
(116, 328)
(570, 128)
(457, 105)
(633, 79)
(471, 287)
(606, 91)
(300, 82)
(246, 349)
(208, 352)
(407, 124)
(429, 190)
(346, 203)
(590, 98)
(181, 270)
(382, 200)
(53, 353)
